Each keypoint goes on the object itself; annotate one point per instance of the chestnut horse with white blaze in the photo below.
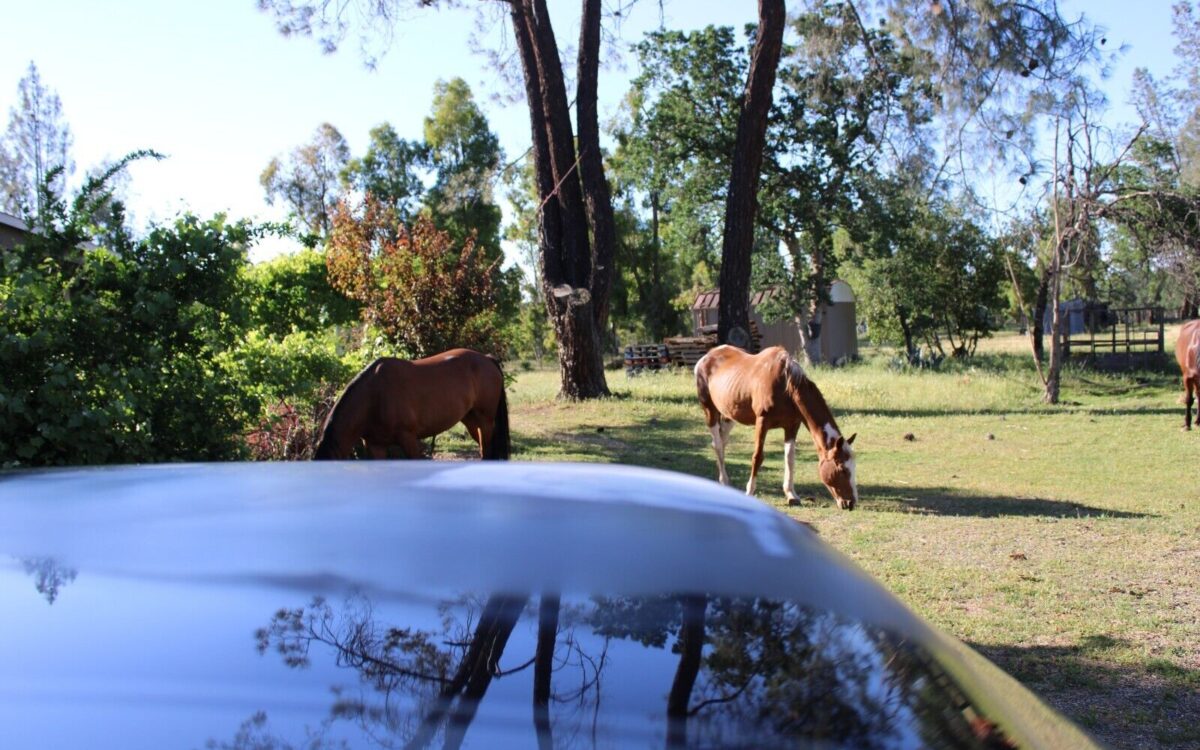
(770, 390)
(399, 402)
(1187, 354)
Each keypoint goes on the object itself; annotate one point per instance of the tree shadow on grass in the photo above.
(949, 501)
(655, 444)
(1076, 410)
(1124, 700)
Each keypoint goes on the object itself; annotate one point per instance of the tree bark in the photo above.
(1039, 317)
(741, 203)
(819, 242)
(597, 197)
(910, 347)
(576, 274)
(1054, 367)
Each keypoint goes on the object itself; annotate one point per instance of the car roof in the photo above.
(443, 544)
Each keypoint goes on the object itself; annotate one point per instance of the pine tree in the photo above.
(37, 140)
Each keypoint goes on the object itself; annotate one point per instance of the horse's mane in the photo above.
(794, 375)
(805, 393)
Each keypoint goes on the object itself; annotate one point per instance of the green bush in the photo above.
(115, 355)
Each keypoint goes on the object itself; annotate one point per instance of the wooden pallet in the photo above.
(640, 357)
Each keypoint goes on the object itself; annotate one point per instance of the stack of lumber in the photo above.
(686, 351)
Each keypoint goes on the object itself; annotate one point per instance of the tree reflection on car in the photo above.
(749, 670)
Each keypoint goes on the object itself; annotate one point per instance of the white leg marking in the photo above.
(789, 465)
(720, 433)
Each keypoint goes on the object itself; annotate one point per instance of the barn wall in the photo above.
(839, 334)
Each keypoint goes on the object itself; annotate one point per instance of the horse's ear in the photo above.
(850, 440)
(840, 442)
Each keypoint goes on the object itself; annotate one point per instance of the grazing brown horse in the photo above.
(1187, 354)
(398, 402)
(770, 390)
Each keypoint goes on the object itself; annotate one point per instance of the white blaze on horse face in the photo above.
(850, 467)
(831, 434)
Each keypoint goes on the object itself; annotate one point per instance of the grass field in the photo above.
(1061, 542)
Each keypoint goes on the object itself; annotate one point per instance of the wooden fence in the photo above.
(1127, 331)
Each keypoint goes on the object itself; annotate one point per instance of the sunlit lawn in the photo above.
(1062, 542)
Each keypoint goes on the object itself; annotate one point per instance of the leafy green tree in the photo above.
(309, 181)
(846, 93)
(465, 155)
(989, 68)
(421, 291)
(115, 354)
(934, 280)
(36, 141)
(1165, 167)
(390, 170)
(671, 170)
(577, 237)
(291, 293)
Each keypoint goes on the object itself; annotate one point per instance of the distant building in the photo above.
(12, 231)
(839, 331)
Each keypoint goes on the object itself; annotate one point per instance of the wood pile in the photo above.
(711, 331)
(686, 351)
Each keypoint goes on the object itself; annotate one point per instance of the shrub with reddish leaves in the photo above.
(420, 291)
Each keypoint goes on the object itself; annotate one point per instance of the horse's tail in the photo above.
(501, 445)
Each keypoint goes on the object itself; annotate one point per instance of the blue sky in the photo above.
(220, 91)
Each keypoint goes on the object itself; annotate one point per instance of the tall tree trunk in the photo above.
(910, 347)
(596, 195)
(741, 203)
(817, 297)
(1039, 317)
(1054, 366)
(576, 273)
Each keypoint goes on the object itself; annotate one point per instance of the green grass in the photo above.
(1061, 542)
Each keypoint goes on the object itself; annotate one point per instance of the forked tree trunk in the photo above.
(576, 269)
(741, 203)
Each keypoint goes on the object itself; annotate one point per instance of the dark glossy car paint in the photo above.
(419, 604)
